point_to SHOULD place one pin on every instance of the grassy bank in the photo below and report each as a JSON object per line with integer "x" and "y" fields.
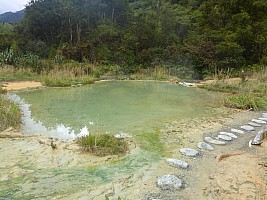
{"x": 244, "y": 93}
{"x": 10, "y": 115}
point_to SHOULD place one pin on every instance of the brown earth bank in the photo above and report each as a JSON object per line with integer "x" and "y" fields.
{"x": 21, "y": 85}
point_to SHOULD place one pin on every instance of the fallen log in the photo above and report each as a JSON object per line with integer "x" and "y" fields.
{"x": 259, "y": 137}
{"x": 219, "y": 157}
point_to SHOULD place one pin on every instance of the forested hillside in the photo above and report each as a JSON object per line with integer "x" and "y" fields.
{"x": 10, "y": 17}
{"x": 194, "y": 35}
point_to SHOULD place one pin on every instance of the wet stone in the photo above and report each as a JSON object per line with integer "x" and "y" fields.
{"x": 225, "y": 137}
{"x": 263, "y": 118}
{"x": 254, "y": 124}
{"x": 228, "y": 134}
{"x": 247, "y": 128}
{"x": 213, "y": 141}
{"x": 168, "y": 182}
{"x": 121, "y": 136}
{"x": 259, "y": 121}
{"x": 189, "y": 152}
{"x": 237, "y": 131}
{"x": 177, "y": 163}
{"x": 204, "y": 145}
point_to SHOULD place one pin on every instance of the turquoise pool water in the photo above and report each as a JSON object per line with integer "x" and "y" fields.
{"x": 118, "y": 106}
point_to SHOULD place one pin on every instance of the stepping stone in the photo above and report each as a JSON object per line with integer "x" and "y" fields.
{"x": 247, "y": 128}
{"x": 169, "y": 181}
{"x": 264, "y": 114}
{"x": 228, "y": 134}
{"x": 237, "y": 131}
{"x": 121, "y": 136}
{"x": 254, "y": 124}
{"x": 225, "y": 137}
{"x": 213, "y": 141}
{"x": 259, "y": 121}
{"x": 177, "y": 163}
{"x": 189, "y": 152}
{"x": 264, "y": 119}
{"x": 204, "y": 145}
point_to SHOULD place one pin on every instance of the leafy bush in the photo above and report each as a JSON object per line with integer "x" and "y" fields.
{"x": 10, "y": 115}
{"x": 103, "y": 144}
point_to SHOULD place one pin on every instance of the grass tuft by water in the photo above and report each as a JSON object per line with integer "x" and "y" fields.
{"x": 103, "y": 144}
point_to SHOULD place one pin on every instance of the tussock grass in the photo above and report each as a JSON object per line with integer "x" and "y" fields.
{"x": 67, "y": 76}
{"x": 10, "y": 73}
{"x": 10, "y": 115}
{"x": 157, "y": 73}
{"x": 249, "y": 93}
{"x": 103, "y": 145}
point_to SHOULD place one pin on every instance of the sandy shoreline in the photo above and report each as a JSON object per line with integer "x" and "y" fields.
{"x": 238, "y": 177}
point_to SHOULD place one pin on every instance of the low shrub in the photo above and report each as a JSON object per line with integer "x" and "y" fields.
{"x": 103, "y": 144}
{"x": 10, "y": 115}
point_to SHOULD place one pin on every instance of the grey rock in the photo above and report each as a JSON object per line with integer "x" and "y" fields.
{"x": 225, "y": 137}
{"x": 264, "y": 114}
{"x": 169, "y": 182}
{"x": 121, "y": 136}
{"x": 247, "y": 128}
{"x": 263, "y": 118}
{"x": 254, "y": 124}
{"x": 189, "y": 152}
{"x": 204, "y": 145}
{"x": 259, "y": 121}
{"x": 177, "y": 163}
{"x": 228, "y": 134}
{"x": 213, "y": 141}
{"x": 237, "y": 131}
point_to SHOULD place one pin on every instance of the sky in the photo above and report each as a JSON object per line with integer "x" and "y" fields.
{"x": 12, "y": 5}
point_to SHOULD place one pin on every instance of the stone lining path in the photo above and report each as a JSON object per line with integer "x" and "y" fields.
{"x": 170, "y": 181}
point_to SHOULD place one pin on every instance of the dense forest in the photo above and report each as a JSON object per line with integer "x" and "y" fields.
{"x": 196, "y": 36}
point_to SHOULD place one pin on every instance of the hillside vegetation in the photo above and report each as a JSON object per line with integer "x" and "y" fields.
{"x": 190, "y": 38}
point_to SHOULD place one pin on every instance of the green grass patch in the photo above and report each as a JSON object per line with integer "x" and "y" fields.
{"x": 150, "y": 141}
{"x": 103, "y": 144}
{"x": 9, "y": 73}
{"x": 64, "y": 77}
{"x": 10, "y": 115}
{"x": 246, "y": 101}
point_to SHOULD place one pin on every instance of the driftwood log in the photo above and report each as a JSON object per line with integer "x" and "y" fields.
{"x": 259, "y": 137}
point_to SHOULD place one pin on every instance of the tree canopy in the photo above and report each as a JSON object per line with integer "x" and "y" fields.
{"x": 203, "y": 34}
